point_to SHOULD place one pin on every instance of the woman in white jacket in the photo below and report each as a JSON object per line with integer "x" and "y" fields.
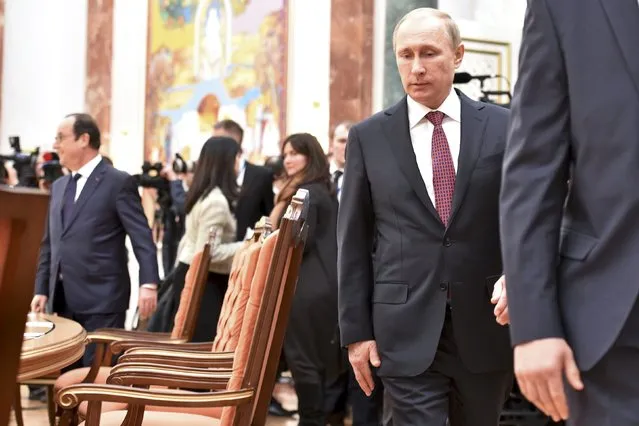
{"x": 209, "y": 205}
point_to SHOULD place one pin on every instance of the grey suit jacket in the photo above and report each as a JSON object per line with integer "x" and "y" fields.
{"x": 571, "y": 251}
{"x": 89, "y": 251}
{"x": 397, "y": 261}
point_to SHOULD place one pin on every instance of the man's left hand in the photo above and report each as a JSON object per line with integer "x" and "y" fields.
{"x": 147, "y": 302}
{"x": 500, "y": 300}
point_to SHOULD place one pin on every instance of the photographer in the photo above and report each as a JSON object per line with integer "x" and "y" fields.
{"x": 174, "y": 217}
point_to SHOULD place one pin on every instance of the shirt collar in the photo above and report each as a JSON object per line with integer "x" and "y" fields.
{"x": 88, "y": 168}
{"x": 417, "y": 112}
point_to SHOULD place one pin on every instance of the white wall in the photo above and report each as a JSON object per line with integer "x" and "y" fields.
{"x": 44, "y": 68}
{"x": 128, "y": 84}
{"x": 309, "y": 41}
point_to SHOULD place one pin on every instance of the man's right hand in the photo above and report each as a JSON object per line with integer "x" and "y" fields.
{"x": 540, "y": 366}
{"x": 361, "y": 355}
{"x": 39, "y": 303}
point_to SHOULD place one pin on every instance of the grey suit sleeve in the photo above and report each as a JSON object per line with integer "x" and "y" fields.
{"x": 355, "y": 227}
{"x": 44, "y": 261}
{"x": 535, "y": 172}
{"x": 129, "y": 207}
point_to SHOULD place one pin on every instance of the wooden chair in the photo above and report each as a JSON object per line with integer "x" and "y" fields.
{"x": 183, "y": 328}
{"x": 246, "y": 395}
{"x": 241, "y": 275}
{"x": 23, "y": 214}
{"x": 245, "y": 264}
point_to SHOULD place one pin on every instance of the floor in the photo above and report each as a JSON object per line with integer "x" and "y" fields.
{"x": 35, "y": 413}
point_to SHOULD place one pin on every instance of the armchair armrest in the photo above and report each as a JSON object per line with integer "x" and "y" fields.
{"x": 142, "y": 375}
{"x": 197, "y": 359}
{"x": 104, "y": 337}
{"x": 70, "y": 397}
{"x": 125, "y": 345}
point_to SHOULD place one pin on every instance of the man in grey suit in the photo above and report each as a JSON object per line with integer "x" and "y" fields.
{"x": 570, "y": 211}
{"x": 418, "y": 240}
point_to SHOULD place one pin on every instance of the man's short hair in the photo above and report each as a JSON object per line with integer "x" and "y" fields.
{"x": 451, "y": 26}
{"x": 231, "y": 127}
{"x": 346, "y": 124}
{"x": 84, "y": 123}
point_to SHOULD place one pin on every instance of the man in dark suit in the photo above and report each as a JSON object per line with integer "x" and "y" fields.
{"x": 82, "y": 272}
{"x": 256, "y": 183}
{"x": 569, "y": 206}
{"x": 419, "y": 248}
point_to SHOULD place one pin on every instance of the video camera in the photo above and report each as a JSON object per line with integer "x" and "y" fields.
{"x": 51, "y": 167}
{"x": 24, "y": 164}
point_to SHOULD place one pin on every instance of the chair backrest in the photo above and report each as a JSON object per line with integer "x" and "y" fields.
{"x": 266, "y": 316}
{"x": 237, "y": 293}
{"x": 191, "y": 297}
{"x": 23, "y": 214}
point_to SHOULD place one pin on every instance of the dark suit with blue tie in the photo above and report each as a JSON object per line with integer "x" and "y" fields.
{"x": 83, "y": 260}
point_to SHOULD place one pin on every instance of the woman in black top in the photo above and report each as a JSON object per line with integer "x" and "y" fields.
{"x": 311, "y": 346}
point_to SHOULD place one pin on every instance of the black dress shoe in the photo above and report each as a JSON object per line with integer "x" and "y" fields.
{"x": 275, "y": 409}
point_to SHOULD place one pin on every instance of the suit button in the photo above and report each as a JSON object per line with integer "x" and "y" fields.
{"x": 443, "y": 286}
{"x": 447, "y": 242}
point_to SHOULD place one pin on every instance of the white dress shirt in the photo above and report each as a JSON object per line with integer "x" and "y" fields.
{"x": 240, "y": 175}
{"x": 421, "y": 134}
{"x": 85, "y": 171}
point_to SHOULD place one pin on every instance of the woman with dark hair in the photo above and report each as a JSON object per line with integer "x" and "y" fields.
{"x": 311, "y": 346}
{"x": 209, "y": 205}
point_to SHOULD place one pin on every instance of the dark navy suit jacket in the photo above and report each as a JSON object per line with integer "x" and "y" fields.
{"x": 90, "y": 250}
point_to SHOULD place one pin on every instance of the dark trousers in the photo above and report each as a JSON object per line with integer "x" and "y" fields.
{"x": 611, "y": 388}
{"x": 90, "y": 322}
{"x": 344, "y": 390}
{"x": 447, "y": 391}
{"x": 210, "y": 305}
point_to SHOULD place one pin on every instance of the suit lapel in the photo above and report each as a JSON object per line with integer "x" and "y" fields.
{"x": 473, "y": 123}
{"x": 624, "y": 20}
{"x": 397, "y": 132}
{"x": 59, "y": 197}
{"x": 90, "y": 186}
{"x": 248, "y": 177}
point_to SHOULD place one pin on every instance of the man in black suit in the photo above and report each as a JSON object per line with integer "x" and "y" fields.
{"x": 82, "y": 271}
{"x": 569, "y": 205}
{"x": 418, "y": 238}
{"x": 256, "y": 183}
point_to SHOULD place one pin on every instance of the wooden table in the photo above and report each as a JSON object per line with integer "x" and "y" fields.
{"x": 50, "y": 343}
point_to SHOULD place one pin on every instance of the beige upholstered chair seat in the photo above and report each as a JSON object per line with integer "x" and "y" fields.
{"x": 76, "y": 376}
{"x": 151, "y": 418}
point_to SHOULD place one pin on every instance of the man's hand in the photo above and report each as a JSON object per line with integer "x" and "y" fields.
{"x": 39, "y": 303}
{"x": 168, "y": 172}
{"x": 539, "y": 367}
{"x": 500, "y": 300}
{"x": 361, "y": 355}
{"x": 147, "y": 302}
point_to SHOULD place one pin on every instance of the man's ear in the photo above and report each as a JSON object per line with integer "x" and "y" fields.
{"x": 459, "y": 55}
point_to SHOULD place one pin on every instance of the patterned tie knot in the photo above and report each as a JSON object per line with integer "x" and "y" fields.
{"x": 435, "y": 117}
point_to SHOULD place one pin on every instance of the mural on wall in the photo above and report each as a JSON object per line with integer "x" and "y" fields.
{"x": 211, "y": 60}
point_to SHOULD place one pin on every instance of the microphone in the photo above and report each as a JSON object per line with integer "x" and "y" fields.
{"x": 464, "y": 77}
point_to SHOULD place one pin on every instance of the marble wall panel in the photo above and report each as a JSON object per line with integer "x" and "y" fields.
{"x": 351, "y": 79}
{"x": 99, "y": 60}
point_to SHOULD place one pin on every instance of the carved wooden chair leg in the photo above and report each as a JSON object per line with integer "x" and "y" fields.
{"x": 17, "y": 405}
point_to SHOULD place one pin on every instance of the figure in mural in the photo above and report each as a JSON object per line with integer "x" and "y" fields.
{"x": 225, "y": 61}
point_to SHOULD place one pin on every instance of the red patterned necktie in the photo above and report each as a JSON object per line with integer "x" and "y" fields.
{"x": 443, "y": 168}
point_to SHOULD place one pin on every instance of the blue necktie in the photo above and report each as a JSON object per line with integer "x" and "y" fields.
{"x": 69, "y": 198}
